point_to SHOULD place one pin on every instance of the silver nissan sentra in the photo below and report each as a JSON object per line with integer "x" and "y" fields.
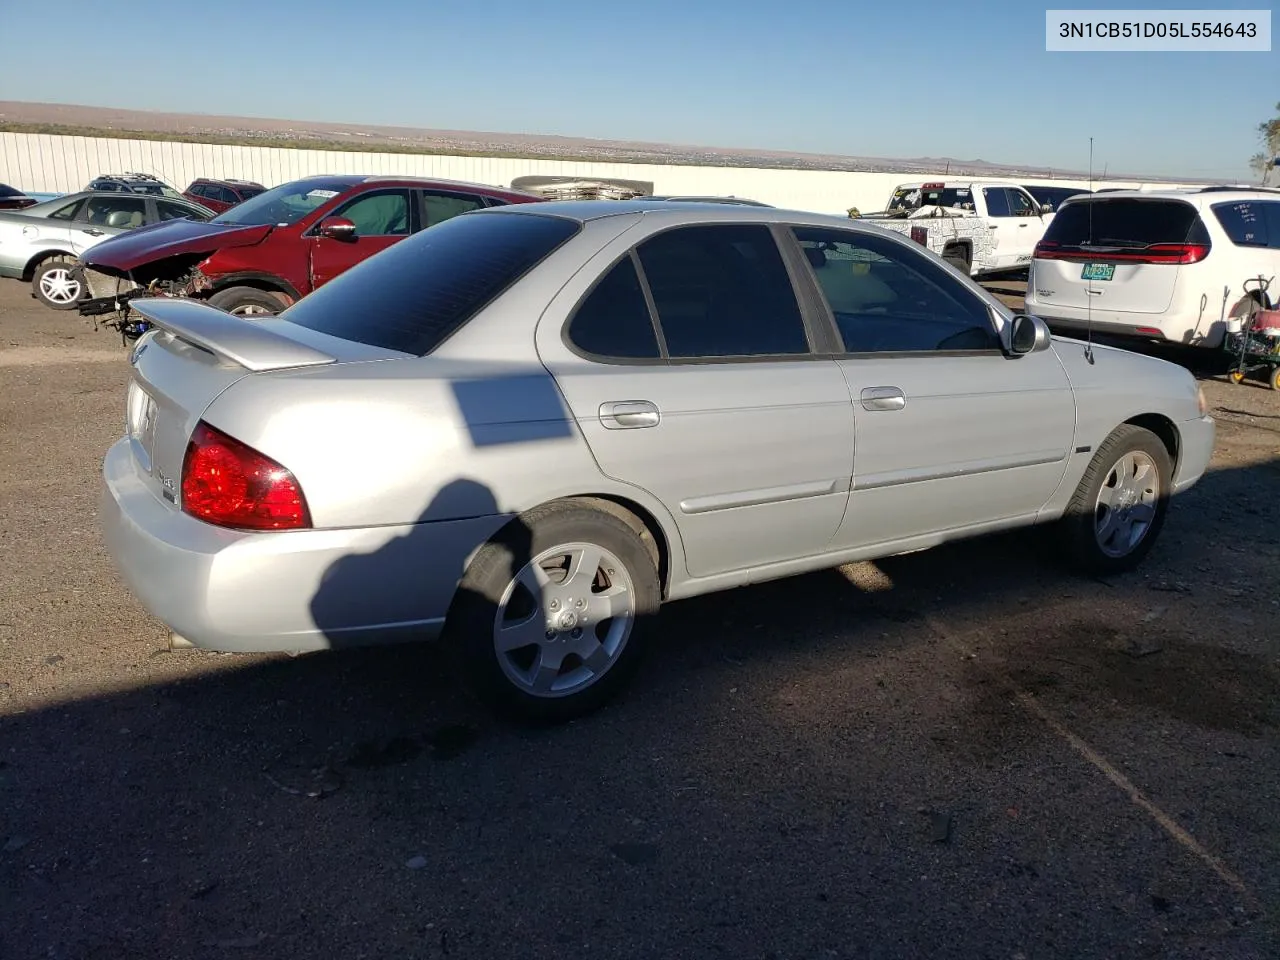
{"x": 526, "y": 428}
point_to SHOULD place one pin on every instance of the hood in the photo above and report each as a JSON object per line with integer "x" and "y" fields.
{"x": 128, "y": 251}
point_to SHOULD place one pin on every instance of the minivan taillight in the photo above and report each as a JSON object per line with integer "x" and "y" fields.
{"x": 227, "y": 483}
{"x": 1156, "y": 253}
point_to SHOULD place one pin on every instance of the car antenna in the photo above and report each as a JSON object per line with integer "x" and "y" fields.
{"x": 1088, "y": 300}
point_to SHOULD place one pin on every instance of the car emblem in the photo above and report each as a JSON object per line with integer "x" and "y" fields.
{"x": 137, "y": 352}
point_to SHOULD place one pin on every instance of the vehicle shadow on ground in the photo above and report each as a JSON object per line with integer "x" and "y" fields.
{"x": 360, "y": 799}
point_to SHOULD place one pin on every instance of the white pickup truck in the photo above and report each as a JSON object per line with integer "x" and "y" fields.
{"x": 978, "y": 226}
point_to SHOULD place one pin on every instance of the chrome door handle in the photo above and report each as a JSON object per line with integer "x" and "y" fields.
{"x": 93, "y": 233}
{"x": 629, "y": 414}
{"x": 883, "y": 398}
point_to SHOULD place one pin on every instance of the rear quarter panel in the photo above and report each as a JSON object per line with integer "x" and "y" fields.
{"x": 403, "y": 441}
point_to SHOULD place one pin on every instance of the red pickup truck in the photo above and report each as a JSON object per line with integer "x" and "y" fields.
{"x": 273, "y": 249}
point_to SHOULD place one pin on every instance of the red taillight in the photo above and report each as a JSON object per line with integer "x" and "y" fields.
{"x": 1156, "y": 253}
{"x": 232, "y": 485}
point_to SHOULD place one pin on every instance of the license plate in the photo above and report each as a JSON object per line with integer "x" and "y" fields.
{"x": 1098, "y": 271}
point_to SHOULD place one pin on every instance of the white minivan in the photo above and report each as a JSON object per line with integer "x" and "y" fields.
{"x": 1167, "y": 265}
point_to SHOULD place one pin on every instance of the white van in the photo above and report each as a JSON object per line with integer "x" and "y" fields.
{"x": 1165, "y": 265}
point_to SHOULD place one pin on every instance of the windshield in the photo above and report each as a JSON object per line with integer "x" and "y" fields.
{"x": 284, "y": 205}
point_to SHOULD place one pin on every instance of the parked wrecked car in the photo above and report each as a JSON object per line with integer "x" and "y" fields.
{"x": 576, "y": 412}
{"x": 273, "y": 249}
{"x": 40, "y": 244}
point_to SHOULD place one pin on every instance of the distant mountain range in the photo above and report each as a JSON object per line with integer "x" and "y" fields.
{"x": 145, "y": 124}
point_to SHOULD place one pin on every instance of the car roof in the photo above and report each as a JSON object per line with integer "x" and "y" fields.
{"x": 1188, "y": 194}
{"x": 677, "y": 212}
{"x": 447, "y": 184}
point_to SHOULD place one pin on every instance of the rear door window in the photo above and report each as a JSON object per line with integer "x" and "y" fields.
{"x": 439, "y": 207}
{"x": 1246, "y": 222}
{"x": 1127, "y": 223}
{"x": 456, "y": 269}
{"x": 722, "y": 291}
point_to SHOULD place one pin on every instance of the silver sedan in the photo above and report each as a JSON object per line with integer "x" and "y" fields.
{"x": 40, "y": 244}
{"x": 576, "y": 412}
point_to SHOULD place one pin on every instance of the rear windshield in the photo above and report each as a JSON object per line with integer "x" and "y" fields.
{"x": 912, "y": 198}
{"x": 413, "y": 295}
{"x": 8, "y": 191}
{"x": 1128, "y": 223}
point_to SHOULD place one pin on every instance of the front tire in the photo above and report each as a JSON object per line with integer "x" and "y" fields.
{"x": 248, "y": 302}
{"x": 54, "y": 285}
{"x": 548, "y": 621}
{"x": 1117, "y": 511}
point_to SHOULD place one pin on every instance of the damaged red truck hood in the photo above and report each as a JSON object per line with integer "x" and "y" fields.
{"x": 127, "y": 252}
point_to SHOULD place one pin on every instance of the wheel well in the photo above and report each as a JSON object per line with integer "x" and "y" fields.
{"x": 279, "y": 288}
{"x": 29, "y": 270}
{"x": 965, "y": 245}
{"x": 1163, "y": 428}
{"x": 643, "y": 523}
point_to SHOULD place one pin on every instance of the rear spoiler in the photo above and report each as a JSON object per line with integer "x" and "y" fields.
{"x": 246, "y": 342}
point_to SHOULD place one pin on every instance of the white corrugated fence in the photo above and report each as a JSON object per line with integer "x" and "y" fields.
{"x": 60, "y": 164}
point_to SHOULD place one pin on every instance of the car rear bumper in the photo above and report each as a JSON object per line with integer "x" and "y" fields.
{"x": 287, "y": 591}
{"x": 1142, "y": 326}
{"x": 1195, "y": 448}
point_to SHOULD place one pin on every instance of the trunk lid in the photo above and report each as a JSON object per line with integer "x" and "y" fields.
{"x": 173, "y": 238}
{"x": 195, "y": 353}
{"x": 1118, "y": 255}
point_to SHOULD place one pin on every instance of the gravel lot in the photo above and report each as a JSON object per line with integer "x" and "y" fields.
{"x": 963, "y": 753}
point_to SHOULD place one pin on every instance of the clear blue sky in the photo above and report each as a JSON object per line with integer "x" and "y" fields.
{"x": 889, "y": 79}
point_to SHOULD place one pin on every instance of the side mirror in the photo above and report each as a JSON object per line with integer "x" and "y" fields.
{"x": 1046, "y": 208}
{"x": 337, "y": 228}
{"x": 1028, "y": 334}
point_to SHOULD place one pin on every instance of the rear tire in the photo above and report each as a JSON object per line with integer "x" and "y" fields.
{"x": 53, "y": 284}
{"x": 247, "y": 302}
{"x": 1118, "y": 508}
{"x": 549, "y": 620}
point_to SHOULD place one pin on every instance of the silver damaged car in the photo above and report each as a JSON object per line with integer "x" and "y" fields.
{"x": 525, "y": 429}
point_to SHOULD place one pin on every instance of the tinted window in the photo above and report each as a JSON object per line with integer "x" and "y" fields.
{"x": 614, "y": 320}
{"x": 122, "y": 211}
{"x": 197, "y": 190}
{"x": 722, "y": 291}
{"x": 1125, "y": 223}
{"x": 1246, "y": 222}
{"x": 8, "y": 191}
{"x": 997, "y": 202}
{"x": 381, "y": 214}
{"x": 456, "y": 269}
{"x": 887, "y": 298}
{"x": 439, "y": 207}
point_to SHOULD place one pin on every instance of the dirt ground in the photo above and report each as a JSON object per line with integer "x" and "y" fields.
{"x": 962, "y": 753}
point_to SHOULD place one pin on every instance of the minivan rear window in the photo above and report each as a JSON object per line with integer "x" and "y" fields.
{"x": 1125, "y": 223}
{"x": 413, "y": 295}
